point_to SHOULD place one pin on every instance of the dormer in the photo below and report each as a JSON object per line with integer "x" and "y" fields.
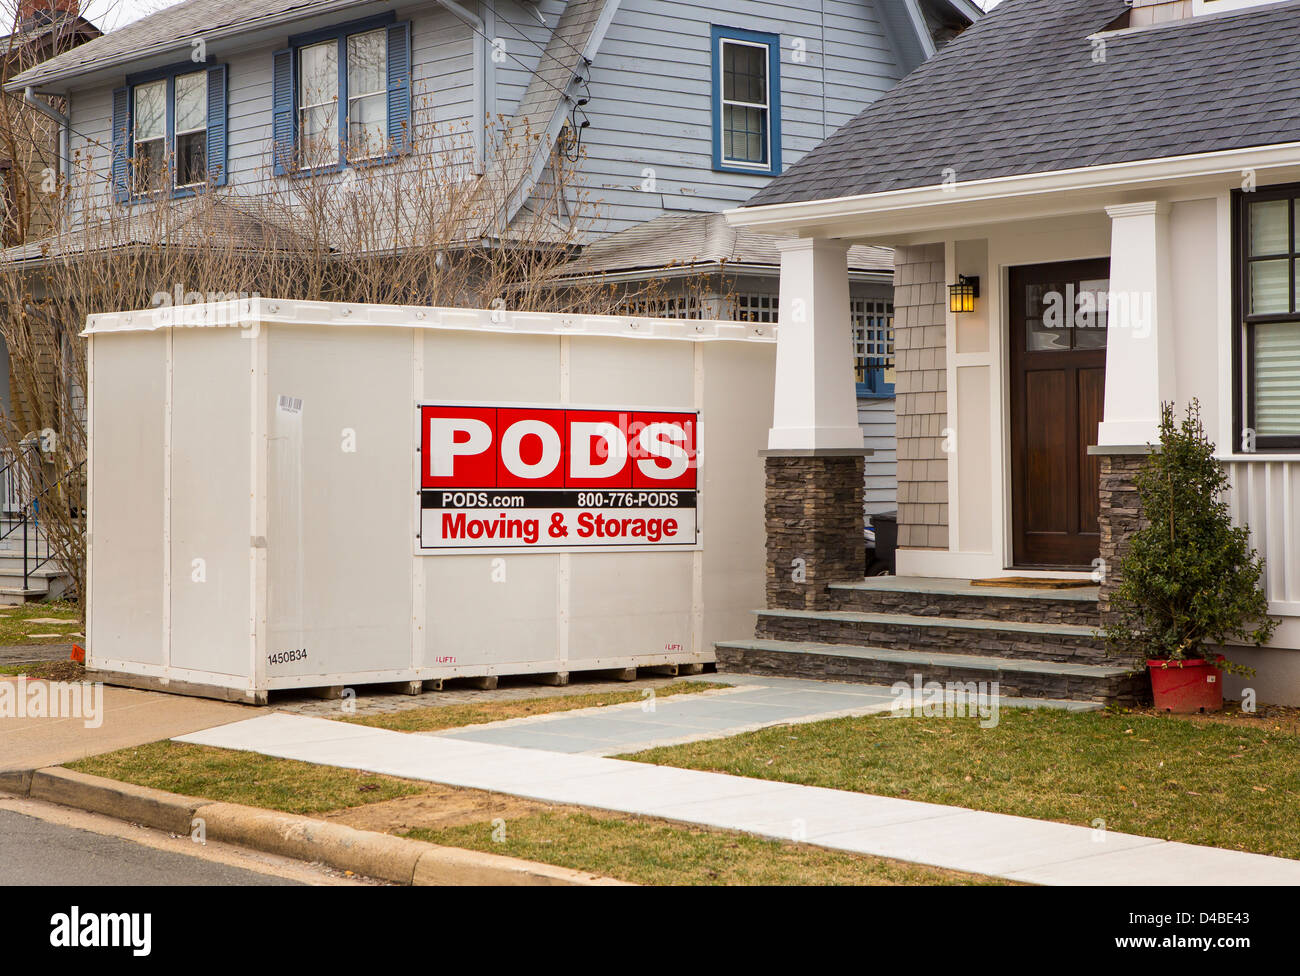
{"x": 1145, "y": 13}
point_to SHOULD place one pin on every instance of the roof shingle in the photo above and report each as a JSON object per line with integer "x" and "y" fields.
{"x": 1021, "y": 92}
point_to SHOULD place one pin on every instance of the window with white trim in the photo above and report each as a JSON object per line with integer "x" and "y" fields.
{"x": 367, "y": 62}
{"x": 318, "y": 103}
{"x": 746, "y": 93}
{"x": 191, "y": 122}
{"x": 149, "y": 113}
{"x": 1268, "y": 255}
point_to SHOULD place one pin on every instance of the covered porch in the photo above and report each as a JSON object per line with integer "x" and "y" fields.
{"x": 1022, "y": 419}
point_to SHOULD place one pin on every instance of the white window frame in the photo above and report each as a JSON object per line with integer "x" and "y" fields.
{"x": 766, "y": 106}
{"x": 176, "y": 135}
{"x": 382, "y": 91}
{"x": 136, "y": 142}
{"x": 303, "y": 106}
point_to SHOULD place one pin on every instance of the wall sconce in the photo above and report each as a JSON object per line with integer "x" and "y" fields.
{"x": 961, "y": 296}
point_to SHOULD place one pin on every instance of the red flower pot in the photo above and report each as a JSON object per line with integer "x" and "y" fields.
{"x": 1186, "y": 687}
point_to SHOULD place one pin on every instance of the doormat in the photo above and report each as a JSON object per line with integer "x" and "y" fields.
{"x": 1034, "y": 582}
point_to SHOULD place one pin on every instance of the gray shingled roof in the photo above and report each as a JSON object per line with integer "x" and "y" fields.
{"x": 703, "y": 242}
{"x": 1019, "y": 93}
{"x": 171, "y": 29}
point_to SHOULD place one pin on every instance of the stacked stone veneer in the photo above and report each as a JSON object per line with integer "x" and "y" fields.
{"x": 1120, "y": 516}
{"x": 920, "y": 387}
{"x": 814, "y": 526}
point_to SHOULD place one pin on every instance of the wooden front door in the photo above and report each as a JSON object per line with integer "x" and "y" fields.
{"x": 1058, "y": 373}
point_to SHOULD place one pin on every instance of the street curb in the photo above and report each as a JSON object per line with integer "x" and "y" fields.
{"x": 364, "y": 852}
{"x": 123, "y": 801}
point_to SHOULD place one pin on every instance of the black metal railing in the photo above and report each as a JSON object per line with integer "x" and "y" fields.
{"x": 22, "y": 505}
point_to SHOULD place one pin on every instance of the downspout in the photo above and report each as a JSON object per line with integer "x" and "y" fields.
{"x": 482, "y": 66}
{"x": 65, "y": 127}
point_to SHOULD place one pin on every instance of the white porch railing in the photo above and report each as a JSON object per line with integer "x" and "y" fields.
{"x": 1266, "y": 496}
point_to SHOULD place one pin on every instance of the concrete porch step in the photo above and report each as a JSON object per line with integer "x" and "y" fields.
{"x": 943, "y": 597}
{"x": 1016, "y": 677}
{"x": 957, "y": 635}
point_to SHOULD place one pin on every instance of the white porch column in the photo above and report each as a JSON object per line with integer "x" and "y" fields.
{"x": 815, "y": 406}
{"x": 1139, "y": 340}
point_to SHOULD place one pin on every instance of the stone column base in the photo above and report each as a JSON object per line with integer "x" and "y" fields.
{"x": 1120, "y": 514}
{"x": 814, "y": 524}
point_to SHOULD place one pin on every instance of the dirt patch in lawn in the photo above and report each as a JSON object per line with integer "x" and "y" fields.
{"x": 1266, "y": 718}
{"x": 438, "y": 808}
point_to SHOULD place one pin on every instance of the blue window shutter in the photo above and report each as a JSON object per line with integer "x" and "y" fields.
{"x": 399, "y": 87}
{"x": 121, "y": 143}
{"x": 284, "y": 127}
{"x": 217, "y": 131}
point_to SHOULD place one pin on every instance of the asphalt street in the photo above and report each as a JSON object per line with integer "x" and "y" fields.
{"x": 37, "y": 852}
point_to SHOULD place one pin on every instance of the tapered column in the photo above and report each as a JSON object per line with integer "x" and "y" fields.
{"x": 815, "y": 406}
{"x": 1139, "y": 335}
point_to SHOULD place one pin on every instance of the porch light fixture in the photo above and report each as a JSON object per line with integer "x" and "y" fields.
{"x": 961, "y": 296}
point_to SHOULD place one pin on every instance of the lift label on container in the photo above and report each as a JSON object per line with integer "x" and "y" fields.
{"x": 557, "y": 478}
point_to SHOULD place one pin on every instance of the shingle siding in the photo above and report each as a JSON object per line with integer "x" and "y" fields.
{"x": 921, "y": 396}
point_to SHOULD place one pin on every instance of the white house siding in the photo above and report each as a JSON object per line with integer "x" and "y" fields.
{"x": 442, "y": 101}
{"x": 650, "y": 91}
{"x": 651, "y": 97}
{"x": 876, "y": 418}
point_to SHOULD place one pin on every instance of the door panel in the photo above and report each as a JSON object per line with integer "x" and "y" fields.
{"x": 1058, "y": 368}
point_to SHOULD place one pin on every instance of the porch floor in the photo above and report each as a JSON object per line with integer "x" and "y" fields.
{"x": 941, "y": 585}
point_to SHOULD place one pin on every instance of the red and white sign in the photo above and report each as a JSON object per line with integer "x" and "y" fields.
{"x": 553, "y": 477}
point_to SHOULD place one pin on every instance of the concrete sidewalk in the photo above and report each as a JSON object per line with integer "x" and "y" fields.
{"x": 754, "y": 702}
{"x": 130, "y": 718}
{"x": 1016, "y": 848}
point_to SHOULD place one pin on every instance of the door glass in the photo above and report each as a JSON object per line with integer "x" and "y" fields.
{"x": 1066, "y": 314}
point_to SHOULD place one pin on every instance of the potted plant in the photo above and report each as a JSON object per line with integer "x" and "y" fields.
{"x": 1190, "y": 580}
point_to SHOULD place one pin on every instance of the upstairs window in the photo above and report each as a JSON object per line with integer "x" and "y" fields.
{"x": 149, "y": 163}
{"x": 1268, "y": 342}
{"x": 169, "y": 132}
{"x": 342, "y": 96}
{"x": 192, "y": 129}
{"x": 318, "y": 103}
{"x": 746, "y": 101}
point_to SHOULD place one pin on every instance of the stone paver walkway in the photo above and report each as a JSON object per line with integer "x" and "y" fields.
{"x": 1016, "y": 848}
{"x": 754, "y": 702}
{"x": 371, "y": 700}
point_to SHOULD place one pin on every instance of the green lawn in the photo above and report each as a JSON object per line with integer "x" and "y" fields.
{"x": 630, "y": 849}
{"x": 1213, "y": 783}
{"x": 476, "y": 713}
{"x": 660, "y": 853}
{"x": 16, "y": 626}
{"x": 245, "y": 777}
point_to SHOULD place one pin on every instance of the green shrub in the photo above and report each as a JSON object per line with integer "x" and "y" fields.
{"x": 1190, "y": 578}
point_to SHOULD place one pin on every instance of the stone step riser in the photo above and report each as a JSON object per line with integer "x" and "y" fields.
{"x": 1044, "y": 611}
{"x": 988, "y": 643}
{"x": 1119, "y": 689}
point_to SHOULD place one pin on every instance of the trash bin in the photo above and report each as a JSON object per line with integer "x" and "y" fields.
{"x": 885, "y": 526}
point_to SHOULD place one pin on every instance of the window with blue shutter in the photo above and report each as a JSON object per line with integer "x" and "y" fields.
{"x": 342, "y": 96}
{"x": 170, "y": 131}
